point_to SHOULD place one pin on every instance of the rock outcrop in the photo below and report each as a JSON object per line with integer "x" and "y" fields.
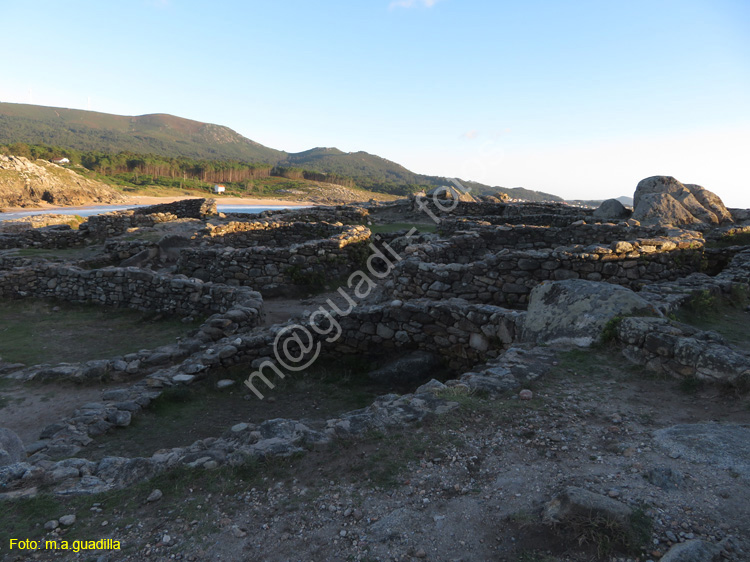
{"x": 693, "y": 551}
{"x": 577, "y": 506}
{"x": 11, "y": 447}
{"x": 578, "y": 311}
{"x": 611, "y": 209}
{"x": 24, "y": 183}
{"x": 664, "y": 200}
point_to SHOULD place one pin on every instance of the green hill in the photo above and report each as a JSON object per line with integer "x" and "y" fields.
{"x": 353, "y": 164}
{"x": 174, "y": 137}
{"x": 165, "y": 135}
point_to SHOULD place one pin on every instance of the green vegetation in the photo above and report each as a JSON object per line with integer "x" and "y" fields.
{"x": 31, "y": 332}
{"x": 608, "y": 535}
{"x": 609, "y": 333}
{"x": 727, "y": 316}
{"x": 161, "y": 134}
{"x": 396, "y": 226}
{"x": 183, "y": 415}
{"x": 63, "y": 255}
{"x": 172, "y": 152}
{"x": 732, "y": 238}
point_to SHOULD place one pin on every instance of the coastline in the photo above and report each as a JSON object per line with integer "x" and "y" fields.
{"x": 152, "y": 200}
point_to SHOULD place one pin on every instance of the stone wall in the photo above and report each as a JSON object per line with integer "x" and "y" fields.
{"x": 9, "y": 262}
{"x": 50, "y": 237}
{"x": 185, "y": 209}
{"x": 517, "y": 213}
{"x": 507, "y": 277}
{"x": 129, "y": 287}
{"x": 346, "y": 214}
{"x": 119, "y": 250}
{"x": 246, "y": 234}
{"x": 117, "y": 222}
{"x": 682, "y": 351}
{"x": 495, "y": 237}
{"x": 280, "y": 270}
{"x": 463, "y": 334}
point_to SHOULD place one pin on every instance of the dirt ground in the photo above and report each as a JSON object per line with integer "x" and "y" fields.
{"x": 27, "y": 409}
{"x": 469, "y": 485}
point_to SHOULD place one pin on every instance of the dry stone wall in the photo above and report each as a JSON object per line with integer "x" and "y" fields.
{"x": 117, "y": 222}
{"x": 682, "y": 351}
{"x": 543, "y": 214}
{"x": 246, "y": 234}
{"x": 463, "y": 334}
{"x": 284, "y": 269}
{"x": 129, "y": 287}
{"x": 495, "y": 237}
{"x": 340, "y": 213}
{"x": 51, "y": 237}
{"x": 507, "y": 277}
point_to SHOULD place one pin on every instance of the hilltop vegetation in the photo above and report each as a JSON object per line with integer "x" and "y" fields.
{"x": 159, "y": 134}
{"x": 173, "y": 149}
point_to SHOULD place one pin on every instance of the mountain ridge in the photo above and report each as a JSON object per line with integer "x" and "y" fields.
{"x": 171, "y": 136}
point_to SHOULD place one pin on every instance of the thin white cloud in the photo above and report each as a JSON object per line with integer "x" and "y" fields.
{"x": 412, "y": 3}
{"x": 470, "y": 135}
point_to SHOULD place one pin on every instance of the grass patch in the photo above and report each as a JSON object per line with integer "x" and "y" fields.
{"x": 183, "y": 415}
{"x": 726, "y": 316}
{"x": 65, "y": 255}
{"x": 731, "y": 239}
{"x": 609, "y": 333}
{"x": 582, "y": 362}
{"x": 396, "y": 226}
{"x": 31, "y": 332}
{"x": 609, "y": 536}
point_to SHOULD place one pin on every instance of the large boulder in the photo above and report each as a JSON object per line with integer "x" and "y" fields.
{"x": 664, "y": 200}
{"x": 723, "y": 445}
{"x": 693, "y": 551}
{"x": 577, "y": 311}
{"x": 576, "y": 506}
{"x": 710, "y": 201}
{"x": 612, "y": 209}
{"x": 11, "y": 447}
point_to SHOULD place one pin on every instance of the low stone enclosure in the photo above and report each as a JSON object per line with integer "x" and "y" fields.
{"x": 132, "y": 288}
{"x": 502, "y": 264}
{"x": 273, "y": 257}
{"x": 483, "y": 342}
{"x": 442, "y": 297}
{"x": 110, "y": 224}
{"x": 99, "y": 227}
{"x": 543, "y": 214}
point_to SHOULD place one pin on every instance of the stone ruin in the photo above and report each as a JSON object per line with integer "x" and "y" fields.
{"x": 494, "y": 280}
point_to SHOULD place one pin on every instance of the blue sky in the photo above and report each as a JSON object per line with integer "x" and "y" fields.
{"x": 582, "y": 99}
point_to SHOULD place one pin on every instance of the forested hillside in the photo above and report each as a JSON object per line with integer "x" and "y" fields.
{"x": 159, "y": 146}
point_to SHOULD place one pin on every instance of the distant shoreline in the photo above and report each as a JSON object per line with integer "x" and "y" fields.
{"x": 151, "y": 200}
